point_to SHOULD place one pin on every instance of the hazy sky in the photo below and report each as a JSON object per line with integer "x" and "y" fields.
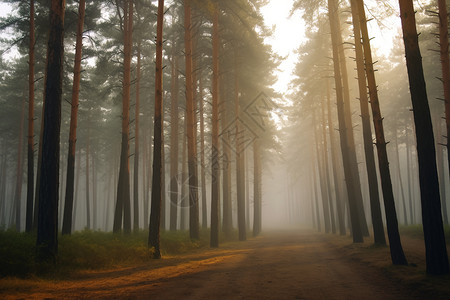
{"x": 287, "y": 37}
{"x": 289, "y": 34}
{"x": 4, "y": 9}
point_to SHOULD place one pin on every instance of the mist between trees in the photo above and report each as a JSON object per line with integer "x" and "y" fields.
{"x": 162, "y": 116}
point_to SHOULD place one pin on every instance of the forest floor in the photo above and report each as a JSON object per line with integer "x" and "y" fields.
{"x": 277, "y": 265}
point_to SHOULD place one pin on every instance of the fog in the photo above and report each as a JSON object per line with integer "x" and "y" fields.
{"x": 266, "y": 126}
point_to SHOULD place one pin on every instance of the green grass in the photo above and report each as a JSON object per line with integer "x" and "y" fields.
{"x": 416, "y": 231}
{"x": 16, "y": 253}
{"x": 90, "y": 250}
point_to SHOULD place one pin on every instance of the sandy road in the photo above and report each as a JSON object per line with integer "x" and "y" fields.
{"x": 278, "y": 265}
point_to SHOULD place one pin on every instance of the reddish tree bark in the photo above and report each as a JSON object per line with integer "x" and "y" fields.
{"x": 190, "y": 131}
{"x": 68, "y": 203}
{"x": 174, "y": 115}
{"x": 122, "y": 210}
{"x": 136, "y": 143}
{"x": 214, "y": 241}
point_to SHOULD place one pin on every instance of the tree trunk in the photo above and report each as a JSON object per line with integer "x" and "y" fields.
{"x": 226, "y": 180}
{"x": 215, "y": 167}
{"x": 445, "y": 64}
{"x": 157, "y": 188}
{"x": 410, "y": 177}
{"x": 436, "y": 251}
{"x": 39, "y": 167}
{"x": 316, "y": 196}
{"x": 149, "y": 167}
{"x": 174, "y": 115}
{"x": 246, "y": 192}
{"x": 326, "y": 168}
{"x": 123, "y": 187}
{"x": 30, "y": 161}
{"x": 77, "y": 184}
{"x": 400, "y": 181}
{"x": 202, "y": 155}
{"x": 47, "y": 233}
{"x": 311, "y": 197}
{"x": 19, "y": 173}
{"x": 240, "y": 176}
{"x": 441, "y": 174}
{"x": 191, "y": 136}
{"x": 136, "y": 143}
{"x": 62, "y": 171}
{"x": 395, "y": 245}
{"x": 375, "y": 209}
{"x": 322, "y": 182}
{"x": 88, "y": 200}
{"x": 194, "y": 55}
{"x": 257, "y": 203}
{"x": 184, "y": 205}
{"x": 163, "y": 178}
{"x": 4, "y": 167}
{"x": 68, "y": 203}
{"x": 350, "y": 180}
{"x": 334, "y": 163}
{"x": 349, "y": 128}
{"x": 94, "y": 194}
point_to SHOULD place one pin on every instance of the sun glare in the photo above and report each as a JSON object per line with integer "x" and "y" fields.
{"x": 287, "y": 36}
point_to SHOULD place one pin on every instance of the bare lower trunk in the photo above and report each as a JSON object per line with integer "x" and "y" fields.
{"x": 47, "y": 233}
{"x": 316, "y": 197}
{"x": 123, "y": 187}
{"x": 76, "y": 189}
{"x": 157, "y": 188}
{"x": 322, "y": 181}
{"x": 326, "y": 167}
{"x": 334, "y": 163}
{"x": 349, "y": 128}
{"x": 202, "y": 156}
{"x": 190, "y": 119}
{"x": 410, "y": 177}
{"x": 38, "y": 171}
{"x": 375, "y": 209}
{"x": 445, "y": 64}
{"x": 436, "y": 251}
{"x": 136, "y": 144}
{"x": 226, "y": 166}
{"x": 174, "y": 115}
{"x": 257, "y": 203}
{"x": 441, "y": 174}
{"x": 215, "y": 167}
{"x": 397, "y": 255}
{"x": 30, "y": 173}
{"x": 240, "y": 176}
{"x": 184, "y": 202}
{"x": 400, "y": 181}
{"x": 350, "y": 180}
{"x": 88, "y": 202}
{"x": 19, "y": 173}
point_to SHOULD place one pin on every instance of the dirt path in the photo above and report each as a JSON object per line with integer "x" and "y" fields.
{"x": 278, "y": 265}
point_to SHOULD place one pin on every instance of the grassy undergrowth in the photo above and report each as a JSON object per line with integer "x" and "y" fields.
{"x": 413, "y": 275}
{"x": 89, "y": 250}
{"x": 416, "y": 231}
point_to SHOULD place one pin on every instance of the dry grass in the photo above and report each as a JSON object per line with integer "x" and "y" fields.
{"x": 413, "y": 275}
